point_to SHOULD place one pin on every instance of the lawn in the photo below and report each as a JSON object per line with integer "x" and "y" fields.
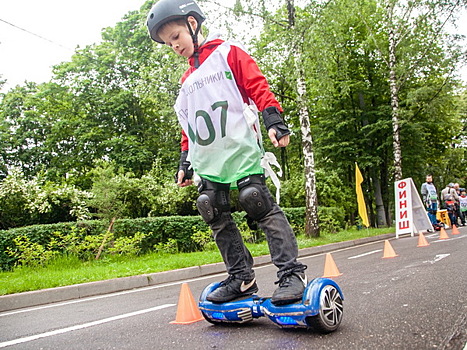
{"x": 68, "y": 270}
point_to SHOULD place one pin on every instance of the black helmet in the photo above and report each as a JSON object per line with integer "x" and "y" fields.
{"x": 167, "y": 10}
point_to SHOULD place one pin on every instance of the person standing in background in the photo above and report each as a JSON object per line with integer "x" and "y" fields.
{"x": 430, "y": 198}
{"x": 463, "y": 205}
{"x": 449, "y": 198}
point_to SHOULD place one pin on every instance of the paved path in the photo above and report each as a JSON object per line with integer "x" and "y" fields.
{"x": 416, "y": 300}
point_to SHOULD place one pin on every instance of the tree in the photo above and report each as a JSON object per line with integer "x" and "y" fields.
{"x": 406, "y": 24}
{"x": 327, "y": 63}
{"x": 354, "y": 116}
{"x": 281, "y": 27}
{"x": 102, "y": 105}
{"x": 311, "y": 212}
{"x": 24, "y": 129}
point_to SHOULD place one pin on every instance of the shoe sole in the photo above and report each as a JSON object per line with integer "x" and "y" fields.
{"x": 239, "y": 297}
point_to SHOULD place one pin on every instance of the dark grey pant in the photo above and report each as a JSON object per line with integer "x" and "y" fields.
{"x": 237, "y": 258}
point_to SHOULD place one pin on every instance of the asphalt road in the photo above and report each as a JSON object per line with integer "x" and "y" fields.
{"x": 417, "y": 300}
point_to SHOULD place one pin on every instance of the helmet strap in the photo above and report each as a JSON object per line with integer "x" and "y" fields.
{"x": 194, "y": 37}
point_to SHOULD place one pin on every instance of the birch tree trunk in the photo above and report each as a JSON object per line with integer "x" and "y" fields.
{"x": 311, "y": 217}
{"x": 311, "y": 213}
{"x": 396, "y": 142}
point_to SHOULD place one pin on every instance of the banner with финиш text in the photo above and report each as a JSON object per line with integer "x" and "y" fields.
{"x": 411, "y": 215}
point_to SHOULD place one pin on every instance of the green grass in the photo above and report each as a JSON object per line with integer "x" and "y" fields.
{"x": 68, "y": 270}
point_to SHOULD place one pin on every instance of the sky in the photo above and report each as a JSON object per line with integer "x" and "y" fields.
{"x": 62, "y": 25}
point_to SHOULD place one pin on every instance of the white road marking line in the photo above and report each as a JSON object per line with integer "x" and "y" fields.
{"x": 81, "y": 326}
{"x": 437, "y": 258}
{"x": 449, "y": 239}
{"x": 365, "y": 254}
{"x": 429, "y": 235}
{"x": 109, "y": 295}
{"x": 143, "y": 289}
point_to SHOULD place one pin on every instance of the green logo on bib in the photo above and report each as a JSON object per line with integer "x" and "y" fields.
{"x": 228, "y": 75}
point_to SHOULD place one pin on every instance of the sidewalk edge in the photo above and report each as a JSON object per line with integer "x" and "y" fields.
{"x": 59, "y": 294}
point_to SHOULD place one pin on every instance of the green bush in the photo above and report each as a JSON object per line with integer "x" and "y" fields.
{"x": 136, "y": 236}
{"x": 78, "y": 243}
{"x": 331, "y": 219}
{"x": 128, "y": 245}
{"x": 27, "y": 253}
{"x": 169, "y": 247}
{"x": 203, "y": 239}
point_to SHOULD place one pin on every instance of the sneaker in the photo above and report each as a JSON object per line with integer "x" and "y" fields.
{"x": 232, "y": 288}
{"x": 290, "y": 290}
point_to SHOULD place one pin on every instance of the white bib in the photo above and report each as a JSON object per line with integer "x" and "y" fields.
{"x": 431, "y": 191}
{"x": 463, "y": 203}
{"x": 222, "y": 146}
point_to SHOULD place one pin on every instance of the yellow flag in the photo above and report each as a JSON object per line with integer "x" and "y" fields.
{"x": 360, "y": 199}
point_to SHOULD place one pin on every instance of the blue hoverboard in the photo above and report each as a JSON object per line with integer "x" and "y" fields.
{"x": 321, "y": 308}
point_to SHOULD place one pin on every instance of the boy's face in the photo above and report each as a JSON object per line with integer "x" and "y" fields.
{"x": 178, "y": 38}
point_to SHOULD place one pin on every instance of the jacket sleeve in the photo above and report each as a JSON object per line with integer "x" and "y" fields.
{"x": 424, "y": 192}
{"x": 184, "y": 142}
{"x": 250, "y": 81}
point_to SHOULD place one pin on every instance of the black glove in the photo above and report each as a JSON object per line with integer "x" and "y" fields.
{"x": 185, "y": 166}
{"x": 272, "y": 119}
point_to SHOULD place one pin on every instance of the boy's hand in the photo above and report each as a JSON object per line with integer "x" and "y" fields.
{"x": 277, "y": 130}
{"x": 181, "y": 182}
{"x": 282, "y": 142}
{"x": 185, "y": 172}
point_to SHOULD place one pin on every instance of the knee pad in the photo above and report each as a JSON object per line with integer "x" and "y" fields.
{"x": 255, "y": 199}
{"x": 213, "y": 201}
{"x": 205, "y": 208}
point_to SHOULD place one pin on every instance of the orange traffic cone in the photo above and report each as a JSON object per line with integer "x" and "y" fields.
{"x": 422, "y": 242}
{"x": 187, "y": 310}
{"x": 388, "y": 250}
{"x": 455, "y": 230}
{"x": 443, "y": 234}
{"x": 330, "y": 267}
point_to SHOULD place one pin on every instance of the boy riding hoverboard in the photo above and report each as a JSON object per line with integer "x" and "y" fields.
{"x": 221, "y": 145}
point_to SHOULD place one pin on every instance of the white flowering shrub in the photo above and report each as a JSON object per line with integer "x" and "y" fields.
{"x": 25, "y": 202}
{"x": 76, "y": 198}
{"x": 28, "y": 194}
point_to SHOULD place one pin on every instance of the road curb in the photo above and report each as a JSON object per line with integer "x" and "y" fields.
{"x": 53, "y": 295}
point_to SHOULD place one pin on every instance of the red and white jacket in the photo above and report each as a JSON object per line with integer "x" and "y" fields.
{"x": 251, "y": 83}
